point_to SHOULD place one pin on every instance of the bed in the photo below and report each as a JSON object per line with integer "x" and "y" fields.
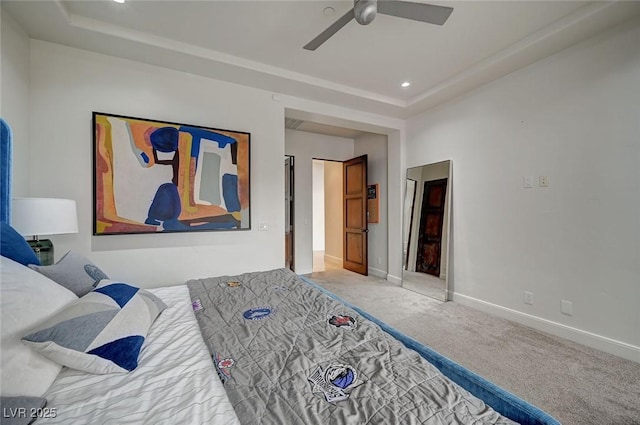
{"x": 174, "y": 382}
{"x": 265, "y": 347}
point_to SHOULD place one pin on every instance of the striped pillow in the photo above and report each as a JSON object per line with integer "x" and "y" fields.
{"x": 102, "y": 332}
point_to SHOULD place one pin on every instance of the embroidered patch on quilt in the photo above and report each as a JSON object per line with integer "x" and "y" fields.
{"x": 197, "y": 305}
{"x": 279, "y": 288}
{"x": 342, "y": 321}
{"x": 258, "y": 313}
{"x": 222, "y": 367}
{"x": 336, "y": 381}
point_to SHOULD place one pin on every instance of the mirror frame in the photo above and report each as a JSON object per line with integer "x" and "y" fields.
{"x": 446, "y": 222}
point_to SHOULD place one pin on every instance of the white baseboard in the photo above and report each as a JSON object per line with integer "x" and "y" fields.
{"x": 303, "y": 271}
{"x": 394, "y": 279}
{"x": 599, "y": 342}
{"x": 331, "y": 259}
{"x": 377, "y": 273}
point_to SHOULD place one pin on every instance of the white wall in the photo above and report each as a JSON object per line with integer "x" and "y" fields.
{"x": 396, "y": 170}
{"x": 318, "y": 216}
{"x": 68, "y": 84}
{"x": 333, "y": 211}
{"x": 304, "y": 147}
{"x": 573, "y": 117}
{"x": 14, "y": 104}
{"x": 375, "y": 147}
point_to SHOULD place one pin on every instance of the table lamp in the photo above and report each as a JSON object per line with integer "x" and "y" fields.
{"x": 44, "y": 216}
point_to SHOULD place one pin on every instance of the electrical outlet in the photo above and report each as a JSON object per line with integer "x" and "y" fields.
{"x": 379, "y": 260}
{"x": 566, "y": 307}
{"x": 543, "y": 181}
{"x": 528, "y": 297}
{"x": 263, "y": 226}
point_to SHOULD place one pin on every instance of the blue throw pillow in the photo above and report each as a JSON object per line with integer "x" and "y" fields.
{"x": 14, "y": 247}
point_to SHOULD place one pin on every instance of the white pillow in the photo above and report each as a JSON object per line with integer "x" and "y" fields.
{"x": 26, "y": 299}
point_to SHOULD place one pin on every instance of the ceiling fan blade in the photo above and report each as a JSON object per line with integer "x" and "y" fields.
{"x": 429, "y": 13}
{"x": 334, "y": 28}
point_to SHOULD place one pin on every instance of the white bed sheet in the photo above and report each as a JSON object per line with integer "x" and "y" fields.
{"x": 174, "y": 383}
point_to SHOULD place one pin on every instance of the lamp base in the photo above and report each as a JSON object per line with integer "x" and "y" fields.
{"x": 43, "y": 249}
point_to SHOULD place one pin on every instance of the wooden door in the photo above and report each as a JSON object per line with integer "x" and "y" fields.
{"x": 355, "y": 215}
{"x": 288, "y": 209}
{"x": 430, "y": 230}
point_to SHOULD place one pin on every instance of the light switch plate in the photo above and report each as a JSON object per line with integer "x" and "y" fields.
{"x": 566, "y": 308}
{"x": 528, "y": 297}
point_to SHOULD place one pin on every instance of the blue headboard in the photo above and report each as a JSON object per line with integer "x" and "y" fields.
{"x": 5, "y": 171}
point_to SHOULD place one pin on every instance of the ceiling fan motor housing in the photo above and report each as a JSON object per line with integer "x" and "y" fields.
{"x": 365, "y": 11}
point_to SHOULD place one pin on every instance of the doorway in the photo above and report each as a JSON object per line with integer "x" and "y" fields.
{"x": 327, "y": 213}
{"x": 308, "y": 140}
{"x": 289, "y": 257}
{"x": 339, "y": 212}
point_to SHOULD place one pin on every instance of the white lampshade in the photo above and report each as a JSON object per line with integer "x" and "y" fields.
{"x": 44, "y": 216}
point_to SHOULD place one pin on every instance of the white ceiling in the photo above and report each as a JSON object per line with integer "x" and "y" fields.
{"x": 259, "y": 43}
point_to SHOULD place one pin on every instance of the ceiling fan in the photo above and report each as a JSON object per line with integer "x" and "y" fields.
{"x": 364, "y": 11}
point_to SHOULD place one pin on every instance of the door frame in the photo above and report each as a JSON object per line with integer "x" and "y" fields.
{"x": 291, "y": 207}
{"x": 324, "y": 160}
{"x": 410, "y": 219}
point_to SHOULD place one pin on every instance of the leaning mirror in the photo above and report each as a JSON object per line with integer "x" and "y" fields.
{"x": 426, "y": 229}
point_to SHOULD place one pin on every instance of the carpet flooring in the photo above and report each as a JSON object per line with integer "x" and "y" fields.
{"x": 575, "y": 384}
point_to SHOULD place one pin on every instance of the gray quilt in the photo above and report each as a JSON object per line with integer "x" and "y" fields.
{"x": 289, "y": 354}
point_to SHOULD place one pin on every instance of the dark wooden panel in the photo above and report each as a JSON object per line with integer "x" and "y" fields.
{"x": 354, "y": 178}
{"x": 436, "y": 197}
{"x": 433, "y": 225}
{"x": 353, "y": 252}
{"x": 354, "y": 213}
{"x": 430, "y": 258}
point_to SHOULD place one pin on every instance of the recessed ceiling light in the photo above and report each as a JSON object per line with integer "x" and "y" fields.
{"x": 119, "y": 1}
{"x": 328, "y": 11}
{"x": 405, "y": 84}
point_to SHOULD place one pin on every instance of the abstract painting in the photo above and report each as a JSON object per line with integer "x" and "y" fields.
{"x": 153, "y": 176}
